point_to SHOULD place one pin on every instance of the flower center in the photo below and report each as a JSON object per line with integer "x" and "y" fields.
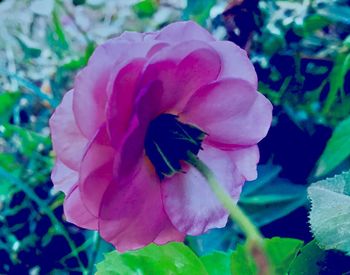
{"x": 168, "y": 141}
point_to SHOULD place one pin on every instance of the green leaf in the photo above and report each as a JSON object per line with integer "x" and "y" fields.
{"x": 145, "y": 8}
{"x": 337, "y": 149}
{"x": 309, "y": 260}
{"x": 172, "y": 258}
{"x": 7, "y": 102}
{"x": 198, "y": 10}
{"x": 217, "y": 263}
{"x": 330, "y": 212}
{"x": 269, "y": 198}
{"x": 281, "y": 252}
{"x": 313, "y": 23}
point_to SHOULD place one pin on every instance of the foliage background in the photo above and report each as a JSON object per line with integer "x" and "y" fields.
{"x": 301, "y": 52}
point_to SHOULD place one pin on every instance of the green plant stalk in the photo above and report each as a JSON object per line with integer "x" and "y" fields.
{"x": 254, "y": 238}
{"x": 45, "y": 208}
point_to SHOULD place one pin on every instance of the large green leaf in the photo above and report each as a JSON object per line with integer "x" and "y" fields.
{"x": 330, "y": 212}
{"x": 269, "y": 197}
{"x": 308, "y": 262}
{"x": 280, "y": 252}
{"x": 337, "y": 149}
{"x": 172, "y": 258}
{"x": 217, "y": 263}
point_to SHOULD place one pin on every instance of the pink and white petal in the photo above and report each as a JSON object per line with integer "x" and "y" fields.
{"x": 183, "y": 31}
{"x": 68, "y": 142}
{"x": 63, "y": 178}
{"x": 76, "y": 213}
{"x": 188, "y": 200}
{"x": 231, "y": 112}
{"x": 235, "y": 62}
{"x": 179, "y": 70}
{"x": 132, "y": 213}
{"x": 246, "y": 160}
{"x": 96, "y": 172}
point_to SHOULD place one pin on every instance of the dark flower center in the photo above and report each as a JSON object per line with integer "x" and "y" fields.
{"x": 168, "y": 141}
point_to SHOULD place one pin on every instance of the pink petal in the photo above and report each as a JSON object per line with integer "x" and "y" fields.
{"x": 235, "y": 62}
{"x": 132, "y": 213}
{"x": 121, "y": 102}
{"x": 76, "y": 212}
{"x": 68, "y": 142}
{"x": 231, "y": 112}
{"x": 91, "y": 84}
{"x": 183, "y": 31}
{"x": 169, "y": 234}
{"x": 63, "y": 178}
{"x": 96, "y": 172}
{"x": 178, "y": 71}
{"x": 246, "y": 160}
{"x": 188, "y": 200}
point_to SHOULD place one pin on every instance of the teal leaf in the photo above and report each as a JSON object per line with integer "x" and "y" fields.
{"x": 308, "y": 262}
{"x": 198, "y": 10}
{"x": 172, "y": 258}
{"x": 330, "y": 212}
{"x": 337, "y": 149}
{"x": 280, "y": 252}
{"x": 269, "y": 197}
{"x": 217, "y": 263}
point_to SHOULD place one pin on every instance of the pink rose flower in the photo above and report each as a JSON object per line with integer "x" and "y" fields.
{"x": 120, "y": 135}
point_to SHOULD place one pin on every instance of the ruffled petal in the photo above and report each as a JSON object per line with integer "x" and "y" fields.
{"x": 132, "y": 213}
{"x": 177, "y": 72}
{"x": 188, "y": 200}
{"x": 231, "y": 112}
{"x": 246, "y": 160}
{"x": 76, "y": 213}
{"x": 63, "y": 178}
{"x": 67, "y": 140}
{"x": 120, "y": 106}
{"x": 91, "y": 84}
{"x": 96, "y": 171}
{"x": 183, "y": 31}
{"x": 235, "y": 62}
{"x": 169, "y": 234}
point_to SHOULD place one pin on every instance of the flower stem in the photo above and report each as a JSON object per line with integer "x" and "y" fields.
{"x": 254, "y": 238}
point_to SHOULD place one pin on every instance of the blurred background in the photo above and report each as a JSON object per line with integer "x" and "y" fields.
{"x": 301, "y": 52}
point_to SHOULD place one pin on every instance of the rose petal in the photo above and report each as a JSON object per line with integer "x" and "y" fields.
{"x": 121, "y": 102}
{"x": 235, "y": 62}
{"x": 183, "y": 31}
{"x": 246, "y": 160}
{"x": 178, "y": 71}
{"x": 231, "y": 112}
{"x": 132, "y": 213}
{"x": 76, "y": 212}
{"x": 63, "y": 177}
{"x": 96, "y": 172}
{"x": 169, "y": 234}
{"x": 67, "y": 140}
{"x": 188, "y": 200}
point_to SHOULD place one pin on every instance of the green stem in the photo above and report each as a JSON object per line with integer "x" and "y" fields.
{"x": 95, "y": 249}
{"x": 254, "y": 237}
